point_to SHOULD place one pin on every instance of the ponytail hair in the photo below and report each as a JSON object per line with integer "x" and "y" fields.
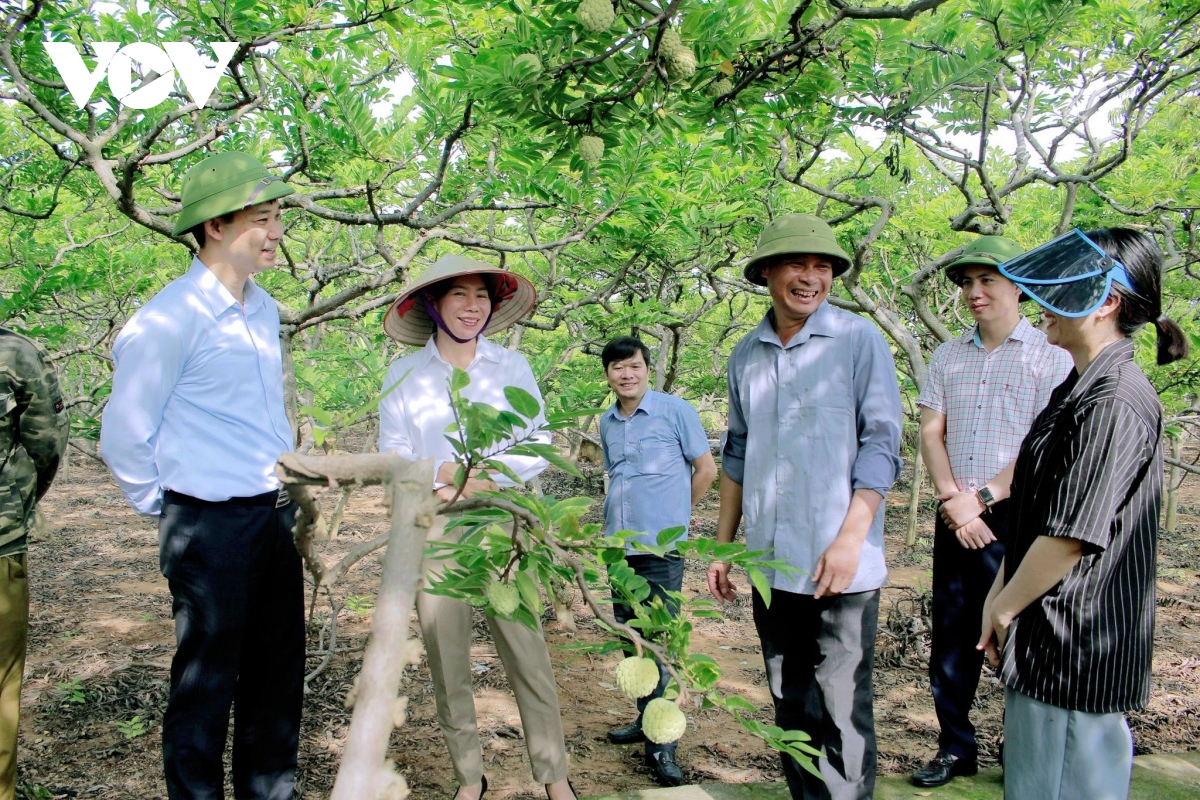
{"x": 1172, "y": 342}
{"x": 1143, "y": 261}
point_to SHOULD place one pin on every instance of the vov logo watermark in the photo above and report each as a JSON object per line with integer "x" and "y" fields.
{"x": 199, "y": 80}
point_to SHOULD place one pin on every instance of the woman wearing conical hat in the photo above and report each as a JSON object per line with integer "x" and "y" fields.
{"x": 448, "y": 311}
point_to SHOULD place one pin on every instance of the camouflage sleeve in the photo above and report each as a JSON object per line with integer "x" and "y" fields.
{"x": 44, "y": 422}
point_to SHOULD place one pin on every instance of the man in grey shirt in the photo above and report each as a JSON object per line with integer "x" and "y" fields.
{"x": 812, "y": 449}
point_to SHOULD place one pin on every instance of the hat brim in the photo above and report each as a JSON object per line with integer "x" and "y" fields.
{"x": 793, "y": 246}
{"x": 235, "y": 198}
{"x": 953, "y": 271}
{"x": 414, "y": 326}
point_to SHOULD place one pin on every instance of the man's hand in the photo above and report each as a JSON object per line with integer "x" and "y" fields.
{"x": 719, "y": 584}
{"x": 959, "y": 508}
{"x": 975, "y": 535}
{"x": 837, "y": 566}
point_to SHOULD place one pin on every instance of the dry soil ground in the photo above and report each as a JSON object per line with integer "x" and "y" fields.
{"x": 101, "y": 640}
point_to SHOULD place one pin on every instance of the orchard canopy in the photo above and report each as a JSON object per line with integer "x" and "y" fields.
{"x": 625, "y": 165}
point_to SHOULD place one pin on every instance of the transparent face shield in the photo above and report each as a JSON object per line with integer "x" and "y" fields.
{"x": 1070, "y": 275}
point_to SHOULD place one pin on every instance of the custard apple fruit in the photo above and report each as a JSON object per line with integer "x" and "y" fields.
{"x": 596, "y": 15}
{"x": 721, "y": 86}
{"x": 681, "y": 65}
{"x": 671, "y": 44}
{"x": 529, "y": 63}
{"x": 637, "y": 677}
{"x": 503, "y": 598}
{"x": 591, "y": 149}
{"x": 662, "y": 721}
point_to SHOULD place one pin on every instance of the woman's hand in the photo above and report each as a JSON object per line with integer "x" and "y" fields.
{"x": 987, "y": 638}
{"x": 472, "y": 487}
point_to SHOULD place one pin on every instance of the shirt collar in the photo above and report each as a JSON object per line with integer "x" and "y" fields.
{"x": 819, "y": 323}
{"x": 484, "y": 349}
{"x": 1024, "y": 333}
{"x": 647, "y": 406}
{"x": 219, "y": 298}
{"x": 1109, "y": 360}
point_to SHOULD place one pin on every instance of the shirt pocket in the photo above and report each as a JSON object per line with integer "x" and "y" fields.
{"x": 1018, "y": 401}
{"x": 658, "y": 454}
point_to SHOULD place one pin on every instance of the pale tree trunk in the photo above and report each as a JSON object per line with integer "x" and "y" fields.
{"x": 914, "y": 498}
{"x": 291, "y": 395}
{"x": 514, "y": 338}
{"x": 1174, "y": 481}
{"x": 365, "y": 773}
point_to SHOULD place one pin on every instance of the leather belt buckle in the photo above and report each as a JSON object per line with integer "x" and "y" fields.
{"x": 283, "y": 498}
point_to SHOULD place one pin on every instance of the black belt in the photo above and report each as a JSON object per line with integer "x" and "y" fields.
{"x": 276, "y": 499}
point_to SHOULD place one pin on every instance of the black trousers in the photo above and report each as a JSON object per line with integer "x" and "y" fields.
{"x": 819, "y": 656}
{"x": 238, "y": 602}
{"x": 664, "y": 574}
{"x": 961, "y": 580}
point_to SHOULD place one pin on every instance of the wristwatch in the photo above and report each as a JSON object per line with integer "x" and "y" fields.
{"x": 986, "y": 497}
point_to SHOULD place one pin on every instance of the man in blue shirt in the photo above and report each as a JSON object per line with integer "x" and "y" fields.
{"x": 191, "y": 432}
{"x": 812, "y": 449}
{"x": 659, "y": 465}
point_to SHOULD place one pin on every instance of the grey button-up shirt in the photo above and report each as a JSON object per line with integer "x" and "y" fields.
{"x": 649, "y": 458}
{"x": 810, "y": 423}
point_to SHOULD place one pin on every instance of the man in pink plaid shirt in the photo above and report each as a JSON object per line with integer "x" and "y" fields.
{"x": 982, "y": 394}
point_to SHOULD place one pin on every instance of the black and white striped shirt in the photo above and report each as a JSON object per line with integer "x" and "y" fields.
{"x": 1090, "y": 469}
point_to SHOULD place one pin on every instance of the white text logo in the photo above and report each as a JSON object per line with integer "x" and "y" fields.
{"x": 180, "y": 57}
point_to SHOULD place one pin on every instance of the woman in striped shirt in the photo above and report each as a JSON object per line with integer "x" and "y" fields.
{"x": 1070, "y": 618}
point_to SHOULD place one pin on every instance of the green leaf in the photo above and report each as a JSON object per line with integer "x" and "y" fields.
{"x": 669, "y": 535}
{"x": 503, "y": 469}
{"x": 459, "y": 380}
{"x": 529, "y": 592}
{"x": 522, "y": 402}
{"x": 760, "y": 583}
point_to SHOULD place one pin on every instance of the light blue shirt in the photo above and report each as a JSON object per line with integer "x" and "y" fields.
{"x": 197, "y": 395}
{"x": 649, "y": 458}
{"x": 809, "y": 424}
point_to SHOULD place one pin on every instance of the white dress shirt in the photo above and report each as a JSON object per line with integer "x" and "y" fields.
{"x": 413, "y": 417}
{"x": 197, "y": 395}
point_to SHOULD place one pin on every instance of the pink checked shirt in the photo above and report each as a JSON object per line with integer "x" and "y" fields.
{"x": 991, "y": 399}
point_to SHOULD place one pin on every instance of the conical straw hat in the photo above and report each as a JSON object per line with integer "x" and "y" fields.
{"x": 407, "y": 321}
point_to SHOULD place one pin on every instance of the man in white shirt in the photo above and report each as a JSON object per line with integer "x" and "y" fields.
{"x": 191, "y": 432}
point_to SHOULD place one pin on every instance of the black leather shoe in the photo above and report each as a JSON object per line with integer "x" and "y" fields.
{"x": 666, "y": 771}
{"x": 942, "y": 768}
{"x": 630, "y": 734}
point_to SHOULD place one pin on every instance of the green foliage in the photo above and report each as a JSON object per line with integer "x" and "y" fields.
{"x": 72, "y": 691}
{"x": 132, "y": 728}
{"x": 910, "y": 135}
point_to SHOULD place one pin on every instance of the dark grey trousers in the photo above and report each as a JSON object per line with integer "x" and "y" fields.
{"x": 819, "y": 655}
{"x": 237, "y": 594}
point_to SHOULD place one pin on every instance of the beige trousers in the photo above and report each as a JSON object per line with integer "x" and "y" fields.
{"x": 14, "y": 632}
{"x": 446, "y": 629}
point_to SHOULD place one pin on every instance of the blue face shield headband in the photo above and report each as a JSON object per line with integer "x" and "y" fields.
{"x": 1070, "y": 275}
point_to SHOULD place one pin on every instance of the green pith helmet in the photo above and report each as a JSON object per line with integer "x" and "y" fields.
{"x": 225, "y": 183}
{"x": 987, "y": 251}
{"x": 795, "y": 234}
